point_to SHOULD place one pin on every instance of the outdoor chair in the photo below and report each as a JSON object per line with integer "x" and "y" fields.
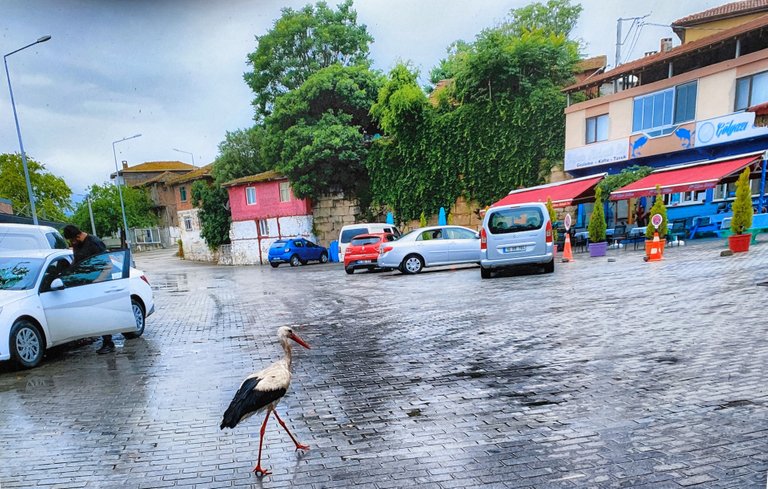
{"x": 619, "y": 234}
{"x": 577, "y": 241}
{"x": 677, "y": 230}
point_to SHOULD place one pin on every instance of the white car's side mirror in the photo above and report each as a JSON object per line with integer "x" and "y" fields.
{"x": 57, "y": 284}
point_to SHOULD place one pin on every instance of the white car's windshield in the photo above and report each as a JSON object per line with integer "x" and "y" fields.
{"x": 19, "y": 273}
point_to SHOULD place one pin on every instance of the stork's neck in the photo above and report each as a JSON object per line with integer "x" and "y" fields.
{"x": 288, "y": 356}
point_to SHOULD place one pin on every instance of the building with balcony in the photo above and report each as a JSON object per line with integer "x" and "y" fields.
{"x": 689, "y": 105}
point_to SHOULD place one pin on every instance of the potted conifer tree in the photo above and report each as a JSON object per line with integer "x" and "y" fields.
{"x": 597, "y": 243}
{"x": 553, "y": 219}
{"x": 739, "y": 239}
{"x": 658, "y": 207}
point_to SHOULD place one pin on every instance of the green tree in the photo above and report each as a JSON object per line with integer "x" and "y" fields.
{"x": 742, "y": 205}
{"x": 240, "y": 154}
{"x": 318, "y": 132}
{"x": 596, "y": 227}
{"x": 52, "y": 194}
{"x": 554, "y": 17}
{"x": 658, "y": 207}
{"x": 300, "y": 43}
{"x": 215, "y": 218}
{"x": 107, "y": 214}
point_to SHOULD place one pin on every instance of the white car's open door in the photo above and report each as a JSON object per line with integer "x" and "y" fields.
{"x": 94, "y": 300}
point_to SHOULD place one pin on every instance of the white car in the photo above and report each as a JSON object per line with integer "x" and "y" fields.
{"x": 46, "y": 301}
{"x": 28, "y": 237}
{"x": 430, "y": 247}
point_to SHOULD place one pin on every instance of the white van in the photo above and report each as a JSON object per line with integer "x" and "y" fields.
{"x": 30, "y": 237}
{"x": 351, "y": 230}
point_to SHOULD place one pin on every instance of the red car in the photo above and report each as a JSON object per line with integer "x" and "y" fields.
{"x": 363, "y": 251}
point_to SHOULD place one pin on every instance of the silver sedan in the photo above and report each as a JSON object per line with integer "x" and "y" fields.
{"x": 430, "y": 247}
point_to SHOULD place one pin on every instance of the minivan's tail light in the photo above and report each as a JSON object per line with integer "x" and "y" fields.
{"x": 549, "y": 231}
{"x": 483, "y": 240}
{"x": 144, "y": 278}
{"x": 385, "y": 249}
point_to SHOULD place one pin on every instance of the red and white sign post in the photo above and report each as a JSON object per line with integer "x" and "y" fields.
{"x": 655, "y": 252}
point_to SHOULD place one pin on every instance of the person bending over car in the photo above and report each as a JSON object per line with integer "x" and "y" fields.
{"x": 84, "y": 246}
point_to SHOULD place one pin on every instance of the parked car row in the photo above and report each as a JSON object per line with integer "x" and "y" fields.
{"x": 511, "y": 236}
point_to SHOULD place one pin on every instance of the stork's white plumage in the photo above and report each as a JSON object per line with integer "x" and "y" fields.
{"x": 263, "y": 390}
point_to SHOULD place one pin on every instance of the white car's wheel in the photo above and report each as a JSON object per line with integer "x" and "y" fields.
{"x": 27, "y": 346}
{"x": 412, "y": 264}
{"x": 140, "y": 317}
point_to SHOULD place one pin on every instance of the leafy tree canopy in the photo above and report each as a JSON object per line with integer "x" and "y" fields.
{"x": 52, "y": 194}
{"x": 301, "y": 43}
{"x": 554, "y": 17}
{"x": 215, "y": 217}
{"x": 317, "y": 132}
{"x": 401, "y": 104}
{"x": 107, "y": 214}
{"x": 240, "y": 154}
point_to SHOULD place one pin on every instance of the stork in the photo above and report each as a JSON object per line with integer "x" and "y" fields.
{"x": 263, "y": 390}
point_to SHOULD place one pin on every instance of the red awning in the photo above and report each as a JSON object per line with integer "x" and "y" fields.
{"x": 683, "y": 178}
{"x": 569, "y": 192}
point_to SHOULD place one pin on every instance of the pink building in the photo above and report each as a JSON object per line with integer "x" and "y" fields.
{"x": 264, "y": 210}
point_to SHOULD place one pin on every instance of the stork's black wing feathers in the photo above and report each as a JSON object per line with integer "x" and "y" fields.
{"x": 247, "y": 401}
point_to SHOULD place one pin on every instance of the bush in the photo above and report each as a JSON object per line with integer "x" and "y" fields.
{"x": 552, "y": 217}
{"x": 597, "y": 221}
{"x": 658, "y": 207}
{"x": 742, "y": 206}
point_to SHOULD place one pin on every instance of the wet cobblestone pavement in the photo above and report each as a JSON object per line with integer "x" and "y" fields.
{"x": 605, "y": 374}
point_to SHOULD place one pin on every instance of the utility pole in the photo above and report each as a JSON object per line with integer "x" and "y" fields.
{"x": 90, "y": 213}
{"x": 619, "y": 41}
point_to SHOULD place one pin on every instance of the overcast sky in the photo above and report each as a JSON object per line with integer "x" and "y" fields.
{"x": 172, "y": 70}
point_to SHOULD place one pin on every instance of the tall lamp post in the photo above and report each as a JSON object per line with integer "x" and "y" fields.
{"x": 119, "y": 187}
{"x": 18, "y": 130}
{"x": 190, "y": 154}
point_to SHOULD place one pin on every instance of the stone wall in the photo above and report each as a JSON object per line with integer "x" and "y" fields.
{"x": 195, "y": 247}
{"x": 331, "y": 213}
{"x": 462, "y": 213}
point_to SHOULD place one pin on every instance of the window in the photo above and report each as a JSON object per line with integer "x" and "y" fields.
{"x": 459, "y": 233}
{"x": 751, "y": 90}
{"x": 678, "y": 198}
{"x": 298, "y": 244}
{"x": 515, "y": 220}
{"x": 656, "y": 113}
{"x": 188, "y": 223}
{"x": 183, "y": 193}
{"x": 250, "y": 195}
{"x": 285, "y": 191}
{"x": 97, "y": 268}
{"x": 263, "y": 227}
{"x": 685, "y": 102}
{"x": 597, "y": 129}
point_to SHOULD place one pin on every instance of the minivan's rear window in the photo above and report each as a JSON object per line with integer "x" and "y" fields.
{"x": 348, "y": 234}
{"x": 365, "y": 240}
{"x": 515, "y": 220}
{"x": 56, "y": 241}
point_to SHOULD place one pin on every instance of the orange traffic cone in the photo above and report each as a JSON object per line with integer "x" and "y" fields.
{"x": 567, "y": 254}
{"x": 655, "y": 252}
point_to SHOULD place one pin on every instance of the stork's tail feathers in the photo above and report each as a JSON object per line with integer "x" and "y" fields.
{"x": 230, "y": 420}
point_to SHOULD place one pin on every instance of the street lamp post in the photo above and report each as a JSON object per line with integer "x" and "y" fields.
{"x": 18, "y": 130}
{"x": 190, "y": 154}
{"x": 119, "y": 188}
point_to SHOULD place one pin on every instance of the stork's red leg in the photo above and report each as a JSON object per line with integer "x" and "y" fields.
{"x": 258, "y": 470}
{"x": 299, "y": 446}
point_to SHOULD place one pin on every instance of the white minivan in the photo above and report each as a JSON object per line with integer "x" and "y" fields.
{"x": 515, "y": 235}
{"x": 30, "y": 237}
{"x": 351, "y": 230}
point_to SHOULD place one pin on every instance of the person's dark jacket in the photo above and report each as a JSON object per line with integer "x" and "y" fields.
{"x": 90, "y": 246}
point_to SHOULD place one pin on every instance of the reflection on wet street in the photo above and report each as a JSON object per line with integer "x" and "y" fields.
{"x": 604, "y": 374}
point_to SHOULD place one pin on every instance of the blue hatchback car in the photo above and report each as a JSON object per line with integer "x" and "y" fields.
{"x": 296, "y": 251}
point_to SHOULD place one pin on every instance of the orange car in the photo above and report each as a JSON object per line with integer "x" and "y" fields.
{"x": 363, "y": 251}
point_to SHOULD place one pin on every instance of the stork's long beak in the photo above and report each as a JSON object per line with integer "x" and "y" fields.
{"x": 298, "y": 340}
